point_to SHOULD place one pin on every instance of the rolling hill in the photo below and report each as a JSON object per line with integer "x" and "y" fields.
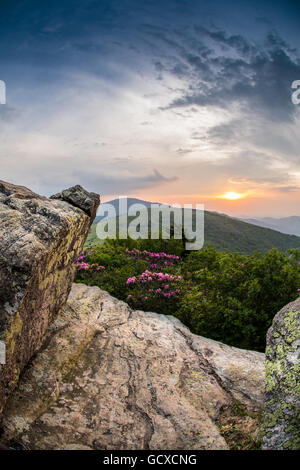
{"x": 130, "y": 202}
{"x": 225, "y": 233}
{"x": 288, "y": 225}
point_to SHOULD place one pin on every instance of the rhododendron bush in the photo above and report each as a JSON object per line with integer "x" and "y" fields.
{"x": 154, "y": 290}
{"x": 225, "y": 296}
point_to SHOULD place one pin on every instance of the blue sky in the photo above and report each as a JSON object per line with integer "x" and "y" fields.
{"x": 172, "y": 100}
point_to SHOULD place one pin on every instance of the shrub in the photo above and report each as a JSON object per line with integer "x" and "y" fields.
{"x": 228, "y": 297}
{"x": 233, "y": 298}
{"x": 157, "y": 291}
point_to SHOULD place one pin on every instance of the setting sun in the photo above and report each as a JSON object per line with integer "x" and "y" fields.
{"x": 232, "y": 196}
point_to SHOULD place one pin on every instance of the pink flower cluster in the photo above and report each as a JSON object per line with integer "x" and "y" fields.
{"x": 83, "y": 265}
{"x": 150, "y": 276}
{"x": 157, "y": 259}
{"x": 150, "y": 254}
{"x": 155, "y": 284}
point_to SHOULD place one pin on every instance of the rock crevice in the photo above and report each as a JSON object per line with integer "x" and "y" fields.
{"x": 40, "y": 239}
{"x": 113, "y": 378}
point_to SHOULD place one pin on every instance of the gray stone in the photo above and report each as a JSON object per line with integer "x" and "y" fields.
{"x": 79, "y": 197}
{"x": 281, "y": 421}
{"x": 40, "y": 239}
{"x": 113, "y": 378}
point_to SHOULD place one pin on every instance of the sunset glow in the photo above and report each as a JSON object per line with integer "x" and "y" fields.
{"x": 232, "y": 196}
{"x": 162, "y": 101}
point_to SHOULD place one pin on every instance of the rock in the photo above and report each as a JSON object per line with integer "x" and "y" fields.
{"x": 281, "y": 420}
{"x": 79, "y": 197}
{"x": 112, "y": 378}
{"x": 39, "y": 240}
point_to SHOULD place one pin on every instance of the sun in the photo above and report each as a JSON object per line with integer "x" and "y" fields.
{"x": 231, "y": 196}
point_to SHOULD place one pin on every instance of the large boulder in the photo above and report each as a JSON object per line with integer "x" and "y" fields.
{"x": 112, "y": 378}
{"x": 281, "y": 421}
{"x": 40, "y": 239}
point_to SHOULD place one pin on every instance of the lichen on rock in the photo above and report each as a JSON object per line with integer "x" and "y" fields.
{"x": 79, "y": 197}
{"x": 40, "y": 239}
{"x": 114, "y": 378}
{"x": 281, "y": 423}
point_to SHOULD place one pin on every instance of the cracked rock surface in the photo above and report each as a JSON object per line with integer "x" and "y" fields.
{"x": 39, "y": 240}
{"x": 112, "y": 378}
{"x": 281, "y": 421}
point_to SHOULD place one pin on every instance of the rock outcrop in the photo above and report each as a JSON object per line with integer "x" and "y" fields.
{"x": 282, "y": 395}
{"x": 112, "y": 378}
{"x": 40, "y": 239}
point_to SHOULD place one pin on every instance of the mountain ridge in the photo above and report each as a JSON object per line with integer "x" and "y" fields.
{"x": 288, "y": 225}
{"x": 224, "y": 232}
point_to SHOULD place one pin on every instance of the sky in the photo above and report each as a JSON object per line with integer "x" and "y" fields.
{"x": 176, "y": 101}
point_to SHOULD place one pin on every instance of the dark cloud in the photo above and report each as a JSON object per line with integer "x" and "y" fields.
{"x": 286, "y": 189}
{"x": 88, "y": 80}
{"x": 182, "y": 151}
{"x": 95, "y": 180}
{"x": 263, "y": 20}
{"x": 236, "y": 71}
{"x": 216, "y": 68}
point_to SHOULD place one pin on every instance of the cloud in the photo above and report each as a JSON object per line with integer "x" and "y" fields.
{"x": 121, "y": 184}
{"x": 218, "y": 70}
{"x": 182, "y": 151}
{"x": 52, "y": 175}
{"x": 103, "y": 92}
{"x": 259, "y": 170}
{"x": 286, "y": 189}
{"x": 8, "y": 113}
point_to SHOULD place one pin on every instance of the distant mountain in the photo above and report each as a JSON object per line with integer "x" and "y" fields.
{"x": 228, "y": 234}
{"x": 130, "y": 201}
{"x": 225, "y": 233}
{"x": 288, "y": 225}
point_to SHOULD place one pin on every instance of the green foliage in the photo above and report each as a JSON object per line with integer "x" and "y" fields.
{"x": 225, "y": 234}
{"x": 229, "y": 297}
{"x": 117, "y": 269}
{"x": 233, "y": 298}
{"x": 232, "y": 235}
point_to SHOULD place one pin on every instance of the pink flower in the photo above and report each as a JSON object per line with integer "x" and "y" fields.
{"x": 99, "y": 268}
